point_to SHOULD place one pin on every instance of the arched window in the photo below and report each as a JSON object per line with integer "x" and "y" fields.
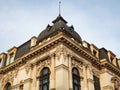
{"x": 76, "y": 79}
{"x": 8, "y": 86}
{"x": 44, "y": 79}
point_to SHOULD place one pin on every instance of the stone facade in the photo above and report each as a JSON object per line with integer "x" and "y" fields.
{"x": 98, "y": 69}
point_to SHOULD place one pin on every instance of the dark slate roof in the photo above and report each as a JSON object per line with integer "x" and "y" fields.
{"x": 103, "y": 54}
{"x": 59, "y": 24}
{"x": 23, "y": 49}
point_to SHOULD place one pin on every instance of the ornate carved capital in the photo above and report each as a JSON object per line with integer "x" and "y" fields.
{"x": 16, "y": 72}
{"x": 77, "y": 64}
{"x": 28, "y": 67}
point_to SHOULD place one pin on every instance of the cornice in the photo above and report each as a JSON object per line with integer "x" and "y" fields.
{"x": 47, "y": 45}
{"x": 109, "y": 66}
{"x": 54, "y": 41}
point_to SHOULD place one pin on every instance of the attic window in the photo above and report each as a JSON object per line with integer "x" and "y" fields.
{"x": 11, "y": 58}
{"x": 111, "y": 58}
{"x": 94, "y": 52}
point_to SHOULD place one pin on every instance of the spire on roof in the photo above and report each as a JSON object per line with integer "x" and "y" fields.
{"x": 59, "y": 7}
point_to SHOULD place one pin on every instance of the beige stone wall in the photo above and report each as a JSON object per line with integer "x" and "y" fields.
{"x": 60, "y": 62}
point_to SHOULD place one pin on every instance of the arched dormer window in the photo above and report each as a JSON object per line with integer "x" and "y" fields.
{"x": 44, "y": 79}
{"x": 76, "y": 79}
{"x": 8, "y": 86}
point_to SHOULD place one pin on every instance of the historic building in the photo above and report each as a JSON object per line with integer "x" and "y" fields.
{"x": 58, "y": 59}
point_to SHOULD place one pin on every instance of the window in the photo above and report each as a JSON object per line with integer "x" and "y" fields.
{"x": 11, "y": 58}
{"x": 21, "y": 87}
{"x": 76, "y": 79}
{"x": 44, "y": 79}
{"x": 95, "y": 53}
{"x": 96, "y": 83}
{"x": 8, "y": 86}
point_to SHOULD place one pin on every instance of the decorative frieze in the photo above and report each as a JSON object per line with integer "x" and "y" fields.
{"x": 77, "y": 64}
{"x": 42, "y": 64}
{"x": 8, "y": 78}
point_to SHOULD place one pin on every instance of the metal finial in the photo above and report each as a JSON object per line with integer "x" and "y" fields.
{"x": 59, "y": 7}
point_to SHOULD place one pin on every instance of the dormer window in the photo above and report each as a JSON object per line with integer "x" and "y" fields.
{"x": 94, "y": 52}
{"x": 111, "y": 58}
{"x": 11, "y": 58}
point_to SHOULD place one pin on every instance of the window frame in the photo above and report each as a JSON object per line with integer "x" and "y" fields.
{"x": 76, "y": 79}
{"x": 44, "y": 79}
{"x": 8, "y": 86}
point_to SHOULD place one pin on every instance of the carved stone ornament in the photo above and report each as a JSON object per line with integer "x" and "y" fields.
{"x": 8, "y": 78}
{"x": 16, "y": 72}
{"x": 28, "y": 67}
{"x": 42, "y": 64}
{"x": 77, "y": 64}
{"x": 61, "y": 50}
{"x": 116, "y": 82}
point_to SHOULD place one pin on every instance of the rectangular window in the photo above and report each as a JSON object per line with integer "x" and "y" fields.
{"x": 96, "y": 83}
{"x": 11, "y": 58}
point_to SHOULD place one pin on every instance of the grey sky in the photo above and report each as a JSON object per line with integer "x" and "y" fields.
{"x": 96, "y": 21}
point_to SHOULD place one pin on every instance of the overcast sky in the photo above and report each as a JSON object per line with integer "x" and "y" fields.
{"x": 96, "y": 21}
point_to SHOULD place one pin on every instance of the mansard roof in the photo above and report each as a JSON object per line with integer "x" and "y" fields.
{"x": 59, "y": 25}
{"x": 23, "y": 49}
{"x": 103, "y": 54}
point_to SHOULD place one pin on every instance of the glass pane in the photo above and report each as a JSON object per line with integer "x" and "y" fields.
{"x": 75, "y": 81}
{"x": 75, "y": 71}
{"x": 45, "y": 87}
{"x": 45, "y": 71}
{"x": 45, "y": 81}
{"x": 11, "y": 58}
{"x": 8, "y": 87}
{"x": 76, "y": 88}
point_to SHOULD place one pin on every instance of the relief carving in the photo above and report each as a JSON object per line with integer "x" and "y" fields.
{"x": 77, "y": 64}
{"x": 8, "y": 78}
{"x": 16, "y": 72}
{"x": 115, "y": 82}
{"x": 28, "y": 67}
{"x": 42, "y": 64}
{"x": 61, "y": 50}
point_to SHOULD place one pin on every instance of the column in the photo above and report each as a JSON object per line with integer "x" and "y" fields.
{"x": 85, "y": 77}
{"x": 90, "y": 78}
{"x": 61, "y": 71}
{"x": 52, "y": 77}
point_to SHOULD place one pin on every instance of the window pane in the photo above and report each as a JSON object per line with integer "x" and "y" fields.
{"x": 8, "y": 86}
{"x": 45, "y": 71}
{"x": 45, "y": 81}
{"x": 11, "y": 58}
{"x": 75, "y": 71}
{"x": 45, "y": 87}
{"x": 76, "y": 88}
{"x": 75, "y": 81}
